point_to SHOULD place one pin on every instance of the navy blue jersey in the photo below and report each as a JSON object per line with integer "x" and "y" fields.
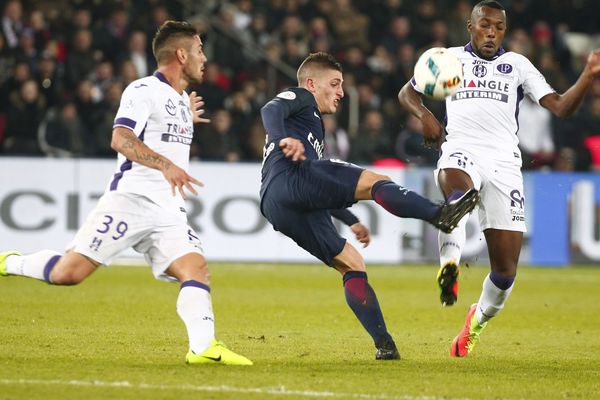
{"x": 292, "y": 113}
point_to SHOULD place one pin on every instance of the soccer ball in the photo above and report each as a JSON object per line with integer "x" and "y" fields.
{"x": 438, "y": 73}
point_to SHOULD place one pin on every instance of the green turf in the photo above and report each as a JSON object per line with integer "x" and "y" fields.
{"x": 117, "y": 336}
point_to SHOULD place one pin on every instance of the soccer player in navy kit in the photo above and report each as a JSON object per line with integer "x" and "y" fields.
{"x": 299, "y": 189}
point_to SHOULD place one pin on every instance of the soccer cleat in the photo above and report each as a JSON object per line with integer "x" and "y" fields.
{"x": 217, "y": 353}
{"x": 3, "y": 257}
{"x": 447, "y": 279}
{"x": 452, "y": 212}
{"x": 387, "y": 350}
{"x": 463, "y": 344}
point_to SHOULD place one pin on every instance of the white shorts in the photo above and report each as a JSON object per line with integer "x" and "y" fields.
{"x": 123, "y": 220}
{"x": 502, "y": 204}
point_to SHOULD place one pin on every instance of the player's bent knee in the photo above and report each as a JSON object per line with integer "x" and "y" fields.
{"x": 66, "y": 277}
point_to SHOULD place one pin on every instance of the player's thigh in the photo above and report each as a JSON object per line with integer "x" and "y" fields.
{"x": 457, "y": 159}
{"x": 170, "y": 240}
{"x": 326, "y": 184}
{"x": 311, "y": 230}
{"x": 117, "y": 222}
{"x": 502, "y": 204}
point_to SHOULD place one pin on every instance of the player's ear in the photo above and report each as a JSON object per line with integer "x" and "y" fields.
{"x": 310, "y": 84}
{"x": 181, "y": 54}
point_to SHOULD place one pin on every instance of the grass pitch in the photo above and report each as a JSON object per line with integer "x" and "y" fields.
{"x": 117, "y": 336}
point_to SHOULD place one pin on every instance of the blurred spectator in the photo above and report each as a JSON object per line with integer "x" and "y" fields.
{"x": 39, "y": 29}
{"x": 410, "y": 146}
{"x": 373, "y": 140}
{"x": 351, "y": 27}
{"x": 81, "y": 58}
{"x": 111, "y": 37}
{"x": 89, "y": 110}
{"x": 12, "y": 23}
{"x": 65, "y": 134}
{"x": 101, "y": 78}
{"x": 50, "y": 81}
{"x": 535, "y": 135}
{"x": 218, "y": 141}
{"x": 399, "y": 32}
{"x": 461, "y": 13}
{"x": 136, "y": 52}
{"x": 26, "y": 110}
{"x": 214, "y": 87}
{"x": 102, "y": 132}
{"x": 337, "y": 141}
{"x": 128, "y": 72}
{"x": 20, "y": 73}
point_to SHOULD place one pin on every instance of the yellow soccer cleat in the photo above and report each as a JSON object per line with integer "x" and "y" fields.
{"x": 217, "y": 353}
{"x": 3, "y": 257}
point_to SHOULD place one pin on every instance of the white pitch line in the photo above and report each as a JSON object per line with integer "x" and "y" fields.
{"x": 276, "y": 391}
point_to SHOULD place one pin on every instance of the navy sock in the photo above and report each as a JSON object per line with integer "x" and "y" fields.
{"x": 501, "y": 282}
{"x": 403, "y": 202}
{"x": 362, "y": 300}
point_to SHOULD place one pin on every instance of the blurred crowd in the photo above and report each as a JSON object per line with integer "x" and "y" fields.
{"x": 64, "y": 65}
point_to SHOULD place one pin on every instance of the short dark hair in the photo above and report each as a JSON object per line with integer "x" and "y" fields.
{"x": 489, "y": 3}
{"x": 168, "y": 32}
{"x": 320, "y": 60}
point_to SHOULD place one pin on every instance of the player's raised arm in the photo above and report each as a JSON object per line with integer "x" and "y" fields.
{"x": 412, "y": 101}
{"x": 564, "y": 105}
{"x": 127, "y": 143}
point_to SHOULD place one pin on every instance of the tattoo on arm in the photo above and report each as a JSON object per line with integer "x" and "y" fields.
{"x": 134, "y": 149}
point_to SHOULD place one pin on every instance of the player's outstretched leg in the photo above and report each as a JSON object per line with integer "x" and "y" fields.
{"x": 36, "y": 265}
{"x": 408, "y": 204}
{"x": 361, "y": 298}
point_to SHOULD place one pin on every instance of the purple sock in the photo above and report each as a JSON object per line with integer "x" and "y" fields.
{"x": 49, "y": 266}
{"x": 454, "y": 195}
{"x": 501, "y": 282}
{"x": 361, "y": 298}
{"x": 403, "y": 202}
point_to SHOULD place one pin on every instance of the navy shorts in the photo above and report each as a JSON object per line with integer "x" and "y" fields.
{"x": 297, "y": 204}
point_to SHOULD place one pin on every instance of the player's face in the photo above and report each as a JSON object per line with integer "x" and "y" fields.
{"x": 487, "y": 27}
{"x": 193, "y": 69}
{"x": 328, "y": 90}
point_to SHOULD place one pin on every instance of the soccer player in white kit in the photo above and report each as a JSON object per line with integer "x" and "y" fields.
{"x": 480, "y": 151}
{"x": 143, "y": 205}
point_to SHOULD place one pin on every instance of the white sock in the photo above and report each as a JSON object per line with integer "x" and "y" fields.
{"x": 31, "y": 265}
{"x": 451, "y": 244}
{"x": 194, "y": 307}
{"x": 491, "y": 301}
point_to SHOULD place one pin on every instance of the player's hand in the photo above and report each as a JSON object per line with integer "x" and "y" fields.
{"x": 196, "y": 105}
{"x": 292, "y": 148}
{"x": 179, "y": 179}
{"x": 362, "y": 233}
{"x": 593, "y": 62}
{"x": 433, "y": 131}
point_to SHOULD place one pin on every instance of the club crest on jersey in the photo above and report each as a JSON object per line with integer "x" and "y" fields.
{"x": 504, "y": 71}
{"x": 170, "y": 107}
{"x": 479, "y": 70}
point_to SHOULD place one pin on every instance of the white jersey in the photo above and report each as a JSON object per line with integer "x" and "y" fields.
{"x": 162, "y": 119}
{"x": 483, "y": 115}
